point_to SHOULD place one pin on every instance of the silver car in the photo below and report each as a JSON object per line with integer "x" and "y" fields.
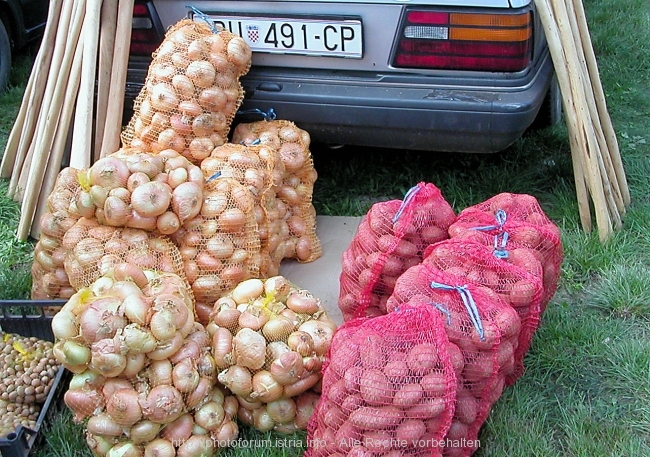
{"x": 432, "y": 75}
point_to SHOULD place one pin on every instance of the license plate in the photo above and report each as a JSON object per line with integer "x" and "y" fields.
{"x": 305, "y": 36}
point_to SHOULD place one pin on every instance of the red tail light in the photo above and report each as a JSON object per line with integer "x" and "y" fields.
{"x": 144, "y": 37}
{"x": 465, "y": 41}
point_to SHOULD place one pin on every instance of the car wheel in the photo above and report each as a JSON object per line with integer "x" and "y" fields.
{"x": 5, "y": 56}
{"x": 550, "y": 113}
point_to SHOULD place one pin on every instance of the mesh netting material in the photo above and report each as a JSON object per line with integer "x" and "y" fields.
{"x": 483, "y": 334}
{"x": 536, "y": 248}
{"x": 143, "y": 373}
{"x": 142, "y": 365}
{"x": 92, "y": 250}
{"x": 132, "y": 188}
{"x": 49, "y": 278}
{"x": 259, "y": 169}
{"x": 191, "y": 92}
{"x": 297, "y": 184}
{"x": 470, "y": 262}
{"x": 519, "y": 207}
{"x": 269, "y": 338}
{"x": 220, "y": 247}
{"x": 389, "y": 240}
{"x": 389, "y": 385}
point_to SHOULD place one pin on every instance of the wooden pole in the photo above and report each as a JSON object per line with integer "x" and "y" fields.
{"x": 60, "y": 139}
{"x": 113, "y": 126}
{"x": 82, "y": 133}
{"x": 601, "y": 103}
{"x": 23, "y": 157}
{"x": 43, "y": 143}
{"x": 108, "y": 25}
{"x": 31, "y": 103}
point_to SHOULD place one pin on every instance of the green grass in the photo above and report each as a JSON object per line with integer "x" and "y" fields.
{"x": 586, "y": 390}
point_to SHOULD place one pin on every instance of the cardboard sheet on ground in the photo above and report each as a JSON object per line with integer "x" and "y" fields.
{"x": 321, "y": 277}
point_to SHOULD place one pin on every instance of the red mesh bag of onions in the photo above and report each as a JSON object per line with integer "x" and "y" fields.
{"x": 470, "y": 262}
{"x": 220, "y": 247}
{"x": 93, "y": 250}
{"x": 297, "y": 186}
{"x": 389, "y": 385}
{"x": 142, "y": 365}
{"x": 389, "y": 240}
{"x": 259, "y": 168}
{"x": 269, "y": 339}
{"x": 191, "y": 92}
{"x": 535, "y": 248}
{"x": 49, "y": 278}
{"x": 483, "y": 334}
{"x": 132, "y": 188}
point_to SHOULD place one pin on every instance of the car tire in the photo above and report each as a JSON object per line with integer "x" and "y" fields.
{"x": 5, "y": 56}
{"x": 550, "y": 113}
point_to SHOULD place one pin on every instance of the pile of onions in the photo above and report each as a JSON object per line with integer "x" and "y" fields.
{"x": 474, "y": 263}
{"x": 389, "y": 240}
{"x": 482, "y": 351}
{"x": 92, "y": 250}
{"x": 13, "y": 415}
{"x": 28, "y": 366}
{"x": 259, "y": 168}
{"x": 199, "y": 432}
{"x": 49, "y": 278}
{"x": 123, "y": 320}
{"x": 131, "y": 188}
{"x": 191, "y": 93}
{"x": 296, "y": 188}
{"x": 220, "y": 247}
{"x": 269, "y": 339}
{"x": 170, "y": 406}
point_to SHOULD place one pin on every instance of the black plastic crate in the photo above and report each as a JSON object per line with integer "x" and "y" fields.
{"x": 27, "y": 318}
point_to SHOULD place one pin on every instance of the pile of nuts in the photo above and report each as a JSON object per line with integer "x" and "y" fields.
{"x": 29, "y": 369}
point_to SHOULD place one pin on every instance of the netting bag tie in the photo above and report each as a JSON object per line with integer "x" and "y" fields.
{"x": 269, "y": 115}
{"x": 501, "y": 238}
{"x": 410, "y": 195}
{"x": 468, "y": 301}
{"x": 201, "y": 15}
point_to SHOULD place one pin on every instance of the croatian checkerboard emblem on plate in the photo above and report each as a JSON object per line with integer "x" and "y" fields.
{"x": 253, "y": 33}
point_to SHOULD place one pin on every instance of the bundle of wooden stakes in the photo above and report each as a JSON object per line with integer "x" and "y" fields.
{"x": 597, "y": 165}
{"x": 74, "y": 96}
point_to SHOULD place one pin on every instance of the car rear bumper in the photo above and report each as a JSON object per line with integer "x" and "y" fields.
{"x": 404, "y": 116}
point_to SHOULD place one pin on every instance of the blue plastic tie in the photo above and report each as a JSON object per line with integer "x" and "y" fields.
{"x": 444, "y": 311}
{"x": 267, "y": 115}
{"x": 214, "y": 176}
{"x": 468, "y": 301}
{"x": 201, "y": 15}
{"x": 405, "y": 202}
{"x": 501, "y": 238}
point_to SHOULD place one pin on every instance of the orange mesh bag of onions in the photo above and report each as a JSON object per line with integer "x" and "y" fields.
{"x": 483, "y": 332}
{"x": 269, "y": 339}
{"x": 220, "y": 247}
{"x": 142, "y": 364}
{"x": 133, "y": 188}
{"x": 474, "y": 263}
{"x": 94, "y": 250}
{"x": 297, "y": 187}
{"x": 49, "y": 278}
{"x": 535, "y": 248}
{"x": 191, "y": 92}
{"x": 389, "y": 240}
{"x": 260, "y": 169}
{"x": 389, "y": 386}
